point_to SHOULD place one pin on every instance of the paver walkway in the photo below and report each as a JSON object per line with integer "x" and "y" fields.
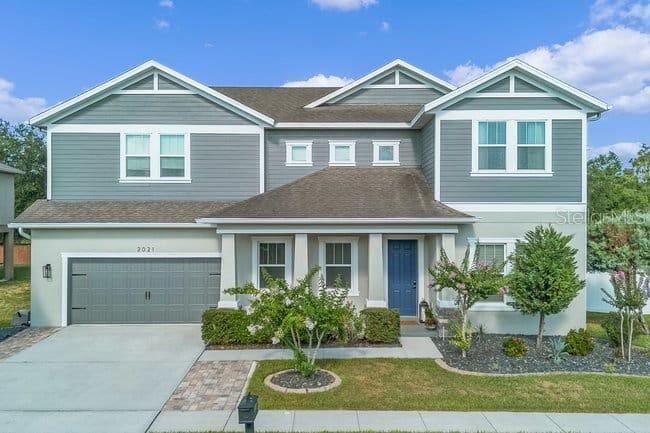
{"x": 412, "y": 347}
{"x": 23, "y": 340}
{"x": 353, "y": 421}
{"x": 210, "y": 385}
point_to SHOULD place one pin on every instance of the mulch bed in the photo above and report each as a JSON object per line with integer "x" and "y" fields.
{"x": 334, "y": 345}
{"x": 294, "y": 380}
{"x": 486, "y": 356}
{"x": 10, "y": 331}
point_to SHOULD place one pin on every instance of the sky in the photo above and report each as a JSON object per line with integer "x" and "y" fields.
{"x": 54, "y": 50}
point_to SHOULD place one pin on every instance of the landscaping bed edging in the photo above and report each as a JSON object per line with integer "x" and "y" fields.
{"x": 268, "y": 381}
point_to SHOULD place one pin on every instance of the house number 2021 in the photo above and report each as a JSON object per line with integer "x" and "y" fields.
{"x": 145, "y": 249}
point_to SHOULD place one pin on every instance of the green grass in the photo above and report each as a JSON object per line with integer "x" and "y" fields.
{"x": 14, "y": 295}
{"x": 418, "y": 384}
{"x": 594, "y": 327}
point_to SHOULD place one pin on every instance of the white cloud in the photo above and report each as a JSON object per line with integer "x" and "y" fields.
{"x": 344, "y": 5}
{"x": 612, "y": 64}
{"x": 384, "y": 26}
{"x": 166, "y": 4}
{"x": 625, "y": 150}
{"x": 14, "y": 109}
{"x": 208, "y": 45}
{"x": 614, "y": 12}
{"x": 162, "y": 24}
{"x": 320, "y": 80}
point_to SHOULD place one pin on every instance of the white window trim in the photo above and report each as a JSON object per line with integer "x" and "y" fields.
{"x": 376, "y": 144}
{"x": 511, "y": 150}
{"x": 354, "y": 252}
{"x": 352, "y": 144}
{"x": 154, "y": 158}
{"x": 510, "y": 244}
{"x": 288, "y": 257}
{"x": 289, "y": 161}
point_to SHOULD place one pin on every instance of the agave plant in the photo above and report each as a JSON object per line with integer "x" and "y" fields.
{"x": 557, "y": 350}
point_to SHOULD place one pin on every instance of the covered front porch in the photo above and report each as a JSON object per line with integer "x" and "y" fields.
{"x": 381, "y": 266}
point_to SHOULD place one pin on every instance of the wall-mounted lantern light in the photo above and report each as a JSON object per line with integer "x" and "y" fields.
{"x": 47, "y": 271}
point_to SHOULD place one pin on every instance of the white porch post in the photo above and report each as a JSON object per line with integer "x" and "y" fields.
{"x": 300, "y": 253}
{"x": 448, "y": 243}
{"x": 228, "y": 271}
{"x": 376, "y": 289}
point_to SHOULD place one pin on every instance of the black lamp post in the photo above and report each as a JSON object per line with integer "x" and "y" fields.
{"x": 247, "y": 410}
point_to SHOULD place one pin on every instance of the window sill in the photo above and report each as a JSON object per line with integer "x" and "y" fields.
{"x": 343, "y": 164}
{"x": 146, "y": 180}
{"x": 511, "y": 174}
{"x": 491, "y": 306}
{"x": 299, "y": 164}
{"x": 385, "y": 163}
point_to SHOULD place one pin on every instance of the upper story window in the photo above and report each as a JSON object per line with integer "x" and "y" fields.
{"x": 385, "y": 153}
{"x": 299, "y": 153}
{"x": 155, "y": 158}
{"x": 342, "y": 153}
{"x": 511, "y": 147}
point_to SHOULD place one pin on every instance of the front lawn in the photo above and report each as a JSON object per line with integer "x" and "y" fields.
{"x": 594, "y": 327}
{"x": 419, "y": 384}
{"x": 14, "y": 295}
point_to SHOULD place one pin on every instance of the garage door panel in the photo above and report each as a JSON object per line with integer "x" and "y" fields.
{"x": 147, "y": 290}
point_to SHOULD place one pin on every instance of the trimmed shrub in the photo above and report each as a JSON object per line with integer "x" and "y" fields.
{"x": 578, "y": 342}
{"x": 514, "y": 347}
{"x": 225, "y": 326}
{"x": 381, "y": 325}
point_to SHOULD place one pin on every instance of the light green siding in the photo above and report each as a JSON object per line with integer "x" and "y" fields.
{"x": 501, "y": 86}
{"x": 144, "y": 84}
{"x": 388, "y": 79}
{"x": 522, "y": 86}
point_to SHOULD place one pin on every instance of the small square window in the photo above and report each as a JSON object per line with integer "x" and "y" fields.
{"x": 342, "y": 153}
{"x": 299, "y": 153}
{"x": 385, "y": 153}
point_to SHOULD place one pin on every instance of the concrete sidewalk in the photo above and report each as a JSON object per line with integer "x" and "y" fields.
{"x": 412, "y": 347}
{"x": 353, "y": 421}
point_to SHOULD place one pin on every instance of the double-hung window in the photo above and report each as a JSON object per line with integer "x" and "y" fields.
{"x": 511, "y": 147}
{"x": 155, "y": 157}
{"x": 490, "y": 253}
{"x": 342, "y": 152}
{"x": 272, "y": 257}
{"x": 299, "y": 153}
{"x": 339, "y": 263}
{"x": 385, "y": 152}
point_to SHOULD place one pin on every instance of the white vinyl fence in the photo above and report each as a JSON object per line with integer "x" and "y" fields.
{"x": 595, "y": 282}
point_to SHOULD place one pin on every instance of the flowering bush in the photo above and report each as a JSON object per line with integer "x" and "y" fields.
{"x": 514, "y": 347}
{"x": 472, "y": 281}
{"x": 297, "y": 315}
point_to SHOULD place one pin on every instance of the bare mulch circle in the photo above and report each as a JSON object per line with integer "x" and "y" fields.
{"x": 486, "y": 356}
{"x": 292, "y": 381}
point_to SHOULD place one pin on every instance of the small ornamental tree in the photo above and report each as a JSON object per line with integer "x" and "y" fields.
{"x": 472, "y": 281}
{"x": 298, "y": 315}
{"x": 543, "y": 279}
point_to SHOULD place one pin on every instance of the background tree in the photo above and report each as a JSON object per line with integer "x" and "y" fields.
{"x": 543, "y": 279}
{"x": 23, "y": 147}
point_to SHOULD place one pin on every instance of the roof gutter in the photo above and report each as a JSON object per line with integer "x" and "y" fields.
{"x": 21, "y": 226}
{"x": 300, "y": 221}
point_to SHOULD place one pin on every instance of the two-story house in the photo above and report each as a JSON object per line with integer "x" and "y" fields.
{"x": 162, "y": 192}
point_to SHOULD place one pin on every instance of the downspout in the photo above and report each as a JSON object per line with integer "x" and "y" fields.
{"x": 23, "y": 234}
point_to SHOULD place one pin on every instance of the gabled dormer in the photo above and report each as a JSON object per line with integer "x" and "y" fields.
{"x": 397, "y": 83}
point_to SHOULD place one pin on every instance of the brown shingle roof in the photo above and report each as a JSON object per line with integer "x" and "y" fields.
{"x": 347, "y": 192}
{"x": 285, "y": 104}
{"x": 60, "y": 211}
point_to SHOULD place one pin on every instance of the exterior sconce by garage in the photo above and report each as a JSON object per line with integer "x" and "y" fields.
{"x": 47, "y": 271}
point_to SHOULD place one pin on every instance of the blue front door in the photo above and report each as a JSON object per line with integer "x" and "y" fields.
{"x": 403, "y": 276}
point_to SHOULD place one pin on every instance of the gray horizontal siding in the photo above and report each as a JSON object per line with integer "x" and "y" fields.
{"x": 145, "y": 84}
{"x": 388, "y": 79}
{"x": 407, "y": 79}
{"x": 511, "y": 104}
{"x": 428, "y": 152}
{"x": 165, "y": 83}
{"x": 391, "y": 96}
{"x": 456, "y": 163}
{"x": 278, "y": 174}
{"x": 87, "y": 167}
{"x": 501, "y": 86}
{"x": 155, "y": 109}
{"x": 522, "y": 86}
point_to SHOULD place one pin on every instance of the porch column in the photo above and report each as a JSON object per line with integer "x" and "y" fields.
{"x": 376, "y": 289}
{"x": 301, "y": 257}
{"x": 228, "y": 271}
{"x": 448, "y": 244}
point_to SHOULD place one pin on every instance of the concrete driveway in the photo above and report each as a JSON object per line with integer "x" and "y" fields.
{"x": 96, "y": 378}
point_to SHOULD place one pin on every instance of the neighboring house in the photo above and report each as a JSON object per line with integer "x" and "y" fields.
{"x": 163, "y": 192}
{"x": 7, "y": 200}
